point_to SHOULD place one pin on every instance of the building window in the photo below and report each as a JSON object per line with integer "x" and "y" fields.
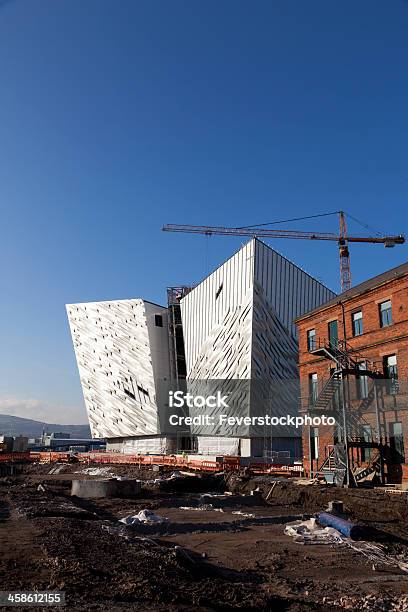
{"x": 311, "y": 339}
{"x": 158, "y": 320}
{"x": 143, "y": 394}
{"x": 397, "y": 442}
{"x": 333, "y": 333}
{"x": 128, "y": 388}
{"x": 357, "y": 320}
{"x": 218, "y": 291}
{"x": 385, "y": 314}
{"x": 367, "y": 436}
{"x": 391, "y": 373}
{"x": 362, "y": 382}
{"x": 313, "y": 387}
{"x": 314, "y": 442}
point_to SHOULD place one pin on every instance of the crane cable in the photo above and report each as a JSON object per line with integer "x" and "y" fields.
{"x": 336, "y": 212}
{"x": 289, "y": 220}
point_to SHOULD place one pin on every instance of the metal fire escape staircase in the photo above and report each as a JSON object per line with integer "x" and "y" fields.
{"x": 327, "y": 394}
{"x": 345, "y": 357}
{"x": 328, "y": 399}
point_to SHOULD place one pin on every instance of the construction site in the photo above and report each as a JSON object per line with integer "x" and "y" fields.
{"x": 181, "y": 512}
{"x": 187, "y": 539}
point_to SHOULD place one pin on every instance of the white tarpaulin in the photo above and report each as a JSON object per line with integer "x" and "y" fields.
{"x": 144, "y": 516}
{"x": 216, "y": 445}
{"x": 310, "y": 532}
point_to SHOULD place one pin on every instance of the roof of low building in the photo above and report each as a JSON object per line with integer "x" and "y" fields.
{"x": 368, "y": 285}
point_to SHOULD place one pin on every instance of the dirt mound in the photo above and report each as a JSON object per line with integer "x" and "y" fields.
{"x": 363, "y": 504}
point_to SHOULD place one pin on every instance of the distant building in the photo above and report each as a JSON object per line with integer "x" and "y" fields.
{"x": 20, "y": 444}
{"x": 67, "y": 444}
{"x": 17, "y": 444}
{"x": 6, "y": 444}
{"x": 51, "y": 439}
{"x": 59, "y": 435}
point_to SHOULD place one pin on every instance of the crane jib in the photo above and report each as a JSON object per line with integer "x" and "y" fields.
{"x": 389, "y": 241}
{"x": 342, "y": 239}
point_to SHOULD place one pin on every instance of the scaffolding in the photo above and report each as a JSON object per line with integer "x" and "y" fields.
{"x": 177, "y": 352}
{"x": 185, "y": 441}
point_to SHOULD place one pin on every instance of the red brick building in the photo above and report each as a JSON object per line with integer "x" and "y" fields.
{"x": 353, "y": 362}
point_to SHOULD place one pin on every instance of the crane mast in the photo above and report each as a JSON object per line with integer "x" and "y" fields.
{"x": 345, "y": 271}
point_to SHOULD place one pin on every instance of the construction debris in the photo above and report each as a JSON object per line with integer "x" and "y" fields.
{"x": 147, "y": 517}
{"x": 202, "y": 508}
{"x": 173, "y": 476}
{"x": 309, "y": 532}
{"x": 347, "y": 528}
{"x": 57, "y": 468}
{"x": 270, "y": 491}
{"x": 335, "y": 506}
{"x": 96, "y": 471}
{"x": 377, "y": 555}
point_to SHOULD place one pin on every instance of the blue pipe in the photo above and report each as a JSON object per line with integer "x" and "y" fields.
{"x": 347, "y": 528}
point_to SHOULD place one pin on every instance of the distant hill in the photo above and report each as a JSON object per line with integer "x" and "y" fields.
{"x": 17, "y": 426}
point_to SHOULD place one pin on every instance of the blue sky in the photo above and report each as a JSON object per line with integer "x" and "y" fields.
{"x": 118, "y": 117}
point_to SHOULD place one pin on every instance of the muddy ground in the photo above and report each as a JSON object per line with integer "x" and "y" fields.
{"x": 206, "y": 559}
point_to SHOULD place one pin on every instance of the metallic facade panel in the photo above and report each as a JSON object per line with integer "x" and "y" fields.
{"x": 238, "y": 325}
{"x": 289, "y": 290}
{"x": 122, "y": 352}
{"x": 214, "y": 305}
{"x": 238, "y": 322}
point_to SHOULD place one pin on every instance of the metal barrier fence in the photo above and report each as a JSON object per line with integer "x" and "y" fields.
{"x": 15, "y": 457}
{"x": 227, "y": 464}
{"x": 176, "y": 461}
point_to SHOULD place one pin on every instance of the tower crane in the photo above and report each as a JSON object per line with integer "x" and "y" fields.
{"x": 343, "y": 239}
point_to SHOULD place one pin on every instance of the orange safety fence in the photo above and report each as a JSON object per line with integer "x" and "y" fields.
{"x": 145, "y": 460}
{"x": 14, "y": 456}
{"x": 227, "y": 463}
{"x": 275, "y": 468}
{"x": 51, "y": 456}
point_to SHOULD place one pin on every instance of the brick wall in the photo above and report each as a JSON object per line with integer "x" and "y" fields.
{"x": 373, "y": 344}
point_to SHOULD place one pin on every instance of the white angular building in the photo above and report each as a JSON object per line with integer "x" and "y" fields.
{"x": 238, "y": 331}
{"x": 122, "y": 352}
{"x": 238, "y": 325}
